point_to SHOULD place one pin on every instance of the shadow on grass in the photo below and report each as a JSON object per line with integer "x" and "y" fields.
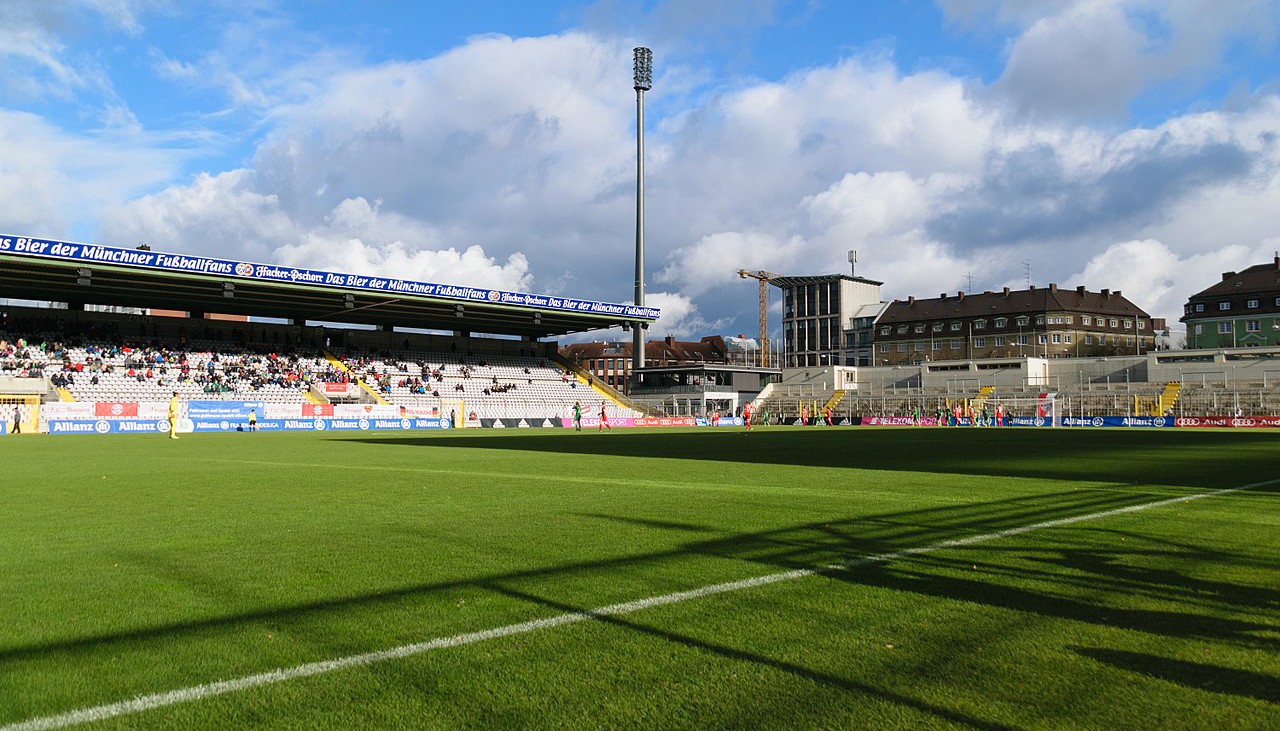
{"x": 1212, "y": 678}
{"x": 1053, "y": 577}
{"x": 1191, "y": 458}
{"x": 740, "y": 655}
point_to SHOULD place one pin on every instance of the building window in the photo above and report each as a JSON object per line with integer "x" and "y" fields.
{"x": 955, "y": 327}
{"x": 902, "y": 347}
{"x": 1253, "y": 326}
{"x": 1200, "y": 307}
{"x": 1128, "y": 341}
{"x": 1252, "y": 304}
{"x": 884, "y": 347}
{"x": 1023, "y": 339}
{"x": 1128, "y": 324}
{"x": 937, "y": 327}
{"x": 885, "y": 330}
{"x": 919, "y": 347}
{"x": 1023, "y": 321}
{"x": 979, "y": 342}
{"x": 1113, "y": 322}
{"x": 979, "y": 324}
{"x": 957, "y": 344}
{"x": 1039, "y": 319}
{"x": 937, "y": 345}
{"x": 1004, "y": 321}
{"x": 1057, "y": 339}
{"x": 1224, "y": 305}
{"x": 1040, "y": 339}
{"x": 902, "y": 329}
{"x": 1070, "y": 319}
{"x": 1088, "y": 340}
{"x": 1066, "y": 338}
{"x": 919, "y": 328}
{"x": 1224, "y": 327}
{"x": 1086, "y": 320}
{"x": 1142, "y": 324}
{"x": 999, "y": 340}
{"x": 1199, "y": 329}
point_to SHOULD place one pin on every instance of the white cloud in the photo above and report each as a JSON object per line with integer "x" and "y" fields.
{"x": 1094, "y": 57}
{"x": 52, "y": 181}
{"x": 1159, "y": 280}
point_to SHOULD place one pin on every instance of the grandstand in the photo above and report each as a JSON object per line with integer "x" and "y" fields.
{"x": 287, "y": 361}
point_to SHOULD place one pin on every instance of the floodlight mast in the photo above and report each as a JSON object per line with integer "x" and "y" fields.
{"x": 643, "y": 78}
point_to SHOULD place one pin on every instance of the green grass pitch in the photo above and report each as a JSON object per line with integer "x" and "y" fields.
{"x": 133, "y": 565}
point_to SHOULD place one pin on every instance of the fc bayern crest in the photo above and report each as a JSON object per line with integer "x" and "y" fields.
{"x": 244, "y": 269}
{"x": 494, "y": 296}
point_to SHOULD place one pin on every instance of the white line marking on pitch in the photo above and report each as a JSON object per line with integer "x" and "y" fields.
{"x": 208, "y": 690}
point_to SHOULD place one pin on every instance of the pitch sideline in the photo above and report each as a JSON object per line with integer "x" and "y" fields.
{"x": 209, "y": 690}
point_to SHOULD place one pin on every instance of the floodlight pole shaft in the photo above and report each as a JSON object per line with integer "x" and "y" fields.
{"x": 637, "y": 346}
{"x": 643, "y": 78}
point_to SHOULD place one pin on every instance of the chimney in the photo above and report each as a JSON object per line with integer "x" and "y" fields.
{"x": 1278, "y": 262}
{"x": 942, "y": 296}
{"x": 1031, "y": 288}
{"x": 960, "y": 294}
{"x": 670, "y": 340}
{"x": 1006, "y": 292}
{"x": 1116, "y": 293}
{"x": 1106, "y": 293}
{"x": 1080, "y": 290}
{"x": 1227, "y": 275}
{"x": 1053, "y": 286}
{"x": 911, "y": 299}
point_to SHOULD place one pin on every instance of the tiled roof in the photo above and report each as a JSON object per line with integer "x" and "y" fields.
{"x": 1011, "y": 302}
{"x": 1255, "y": 279}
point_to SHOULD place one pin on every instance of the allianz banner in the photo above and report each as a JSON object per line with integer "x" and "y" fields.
{"x": 1113, "y": 421}
{"x": 108, "y": 426}
{"x": 161, "y": 426}
{"x": 318, "y": 424}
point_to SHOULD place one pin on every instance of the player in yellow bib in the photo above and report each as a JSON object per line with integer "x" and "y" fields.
{"x": 173, "y": 416}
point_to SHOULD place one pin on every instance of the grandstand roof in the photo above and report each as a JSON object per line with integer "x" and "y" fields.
{"x": 48, "y": 270}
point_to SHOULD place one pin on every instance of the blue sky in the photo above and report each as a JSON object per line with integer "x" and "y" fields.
{"x": 1127, "y": 144}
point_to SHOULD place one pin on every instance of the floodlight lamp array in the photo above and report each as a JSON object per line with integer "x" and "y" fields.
{"x": 643, "y": 69}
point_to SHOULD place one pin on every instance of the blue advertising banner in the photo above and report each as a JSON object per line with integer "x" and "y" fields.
{"x": 223, "y": 409}
{"x": 321, "y": 424}
{"x": 161, "y": 426}
{"x": 108, "y": 426}
{"x": 724, "y": 421}
{"x": 95, "y": 254}
{"x": 1133, "y": 421}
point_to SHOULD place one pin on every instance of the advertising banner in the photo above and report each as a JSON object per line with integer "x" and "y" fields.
{"x": 157, "y": 260}
{"x": 898, "y": 421}
{"x": 594, "y": 421}
{"x": 115, "y": 409}
{"x": 1230, "y": 422}
{"x": 218, "y": 410}
{"x": 65, "y": 410}
{"x": 319, "y": 424}
{"x": 1115, "y": 421}
{"x": 108, "y": 426}
{"x": 657, "y": 421}
{"x": 722, "y": 421}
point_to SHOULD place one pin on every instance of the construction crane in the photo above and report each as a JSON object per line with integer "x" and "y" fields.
{"x": 763, "y": 277}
